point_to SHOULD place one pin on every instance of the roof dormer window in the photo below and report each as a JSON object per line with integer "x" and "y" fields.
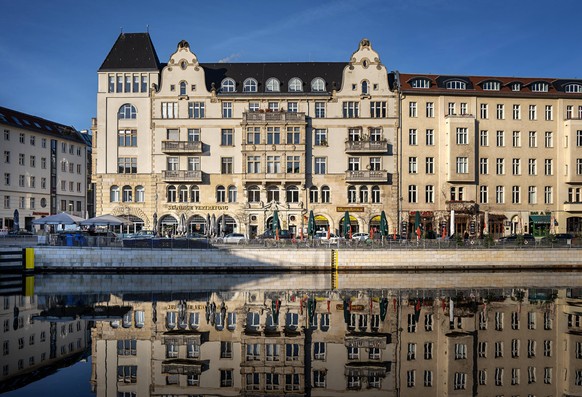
{"x": 491, "y": 86}
{"x": 228, "y": 85}
{"x": 420, "y": 83}
{"x": 250, "y": 85}
{"x": 273, "y": 85}
{"x": 295, "y": 85}
{"x": 573, "y": 87}
{"x": 515, "y": 86}
{"x": 456, "y": 85}
{"x": 540, "y": 86}
{"x": 318, "y": 85}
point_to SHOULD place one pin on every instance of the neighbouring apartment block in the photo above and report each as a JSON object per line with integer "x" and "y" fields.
{"x": 181, "y": 142}
{"x": 44, "y": 169}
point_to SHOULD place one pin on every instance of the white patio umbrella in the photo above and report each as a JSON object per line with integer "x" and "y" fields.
{"x": 105, "y": 220}
{"x": 59, "y": 219}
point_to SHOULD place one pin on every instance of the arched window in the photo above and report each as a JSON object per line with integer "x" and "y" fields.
{"x": 250, "y": 85}
{"x": 171, "y": 194}
{"x": 364, "y": 194}
{"x": 365, "y": 89}
{"x": 273, "y": 85}
{"x": 352, "y": 196}
{"x": 318, "y": 85}
{"x": 183, "y": 194}
{"x": 254, "y": 194}
{"x": 272, "y": 193}
{"x": 573, "y": 87}
{"x": 456, "y": 85}
{"x": 220, "y": 194}
{"x": 540, "y": 86}
{"x": 375, "y": 194}
{"x": 127, "y": 111}
{"x": 195, "y": 194}
{"x": 292, "y": 194}
{"x": 420, "y": 83}
{"x": 232, "y": 194}
{"x": 295, "y": 85}
{"x": 139, "y": 194}
{"x": 228, "y": 85}
{"x": 325, "y": 194}
{"x": 183, "y": 88}
{"x": 114, "y": 194}
{"x": 313, "y": 194}
{"x": 127, "y": 194}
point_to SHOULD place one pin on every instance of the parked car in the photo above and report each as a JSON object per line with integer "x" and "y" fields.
{"x": 283, "y": 234}
{"x": 322, "y": 235}
{"x": 360, "y": 236}
{"x": 21, "y": 232}
{"x": 559, "y": 239}
{"x": 233, "y": 238}
{"x": 524, "y": 239}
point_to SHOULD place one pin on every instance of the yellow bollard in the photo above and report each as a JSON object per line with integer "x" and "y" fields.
{"x": 28, "y": 259}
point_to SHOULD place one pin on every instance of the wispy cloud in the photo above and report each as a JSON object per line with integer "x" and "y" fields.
{"x": 229, "y": 58}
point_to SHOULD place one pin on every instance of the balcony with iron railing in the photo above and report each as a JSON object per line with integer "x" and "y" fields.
{"x": 367, "y": 146}
{"x": 270, "y": 117}
{"x": 376, "y": 176}
{"x": 182, "y": 176}
{"x": 181, "y": 147}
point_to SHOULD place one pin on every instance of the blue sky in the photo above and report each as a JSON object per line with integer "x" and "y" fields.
{"x": 50, "y": 51}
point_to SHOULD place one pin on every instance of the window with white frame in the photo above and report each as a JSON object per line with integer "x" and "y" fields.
{"x": 500, "y": 112}
{"x": 532, "y": 166}
{"x": 169, "y": 110}
{"x": 548, "y": 139}
{"x": 351, "y": 109}
{"x": 483, "y": 138}
{"x": 547, "y": 348}
{"x": 482, "y": 349}
{"x": 378, "y": 109}
{"x": 412, "y": 165}
{"x": 412, "y": 195}
{"x": 429, "y": 165}
{"x": 319, "y": 110}
{"x": 539, "y": 87}
{"x": 531, "y": 375}
{"x": 548, "y": 195}
{"x": 549, "y": 113}
{"x": 514, "y": 348}
{"x": 532, "y": 112}
{"x": 412, "y": 109}
{"x": 451, "y": 109}
{"x": 429, "y": 137}
{"x": 500, "y": 138}
{"x": 427, "y": 378}
{"x": 515, "y": 195}
{"x": 455, "y": 85}
{"x": 250, "y": 85}
{"x": 428, "y": 350}
{"x": 196, "y": 110}
{"x": 411, "y": 355}
{"x": 484, "y": 111}
{"x": 410, "y": 378}
{"x": 531, "y": 348}
{"x": 516, "y": 113}
{"x": 516, "y": 166}
{"x": 516, "y": 139}
{"x": 460, "y": 382}
{"x": 484, "y": 166}
{"x": 460, "y": 351}
{"x": 228, "y": 85}
{"x": 483, "y": 194}
{"x": 498, "y": 376}
{"x": 482, "y": 377}
{"x": 462, "y": 136}
{"x": 412, "y": 137}
{"x": 462, "y": 165}
{"x": 430, "y": 109}
{"x": 429, "y": 194}
{"x": 318, "y": 85}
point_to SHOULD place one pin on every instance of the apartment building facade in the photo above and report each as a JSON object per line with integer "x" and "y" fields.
{"x": 493, "y": 155}
{"x": 178, "y": 144}
{"x": 44, "y": 169}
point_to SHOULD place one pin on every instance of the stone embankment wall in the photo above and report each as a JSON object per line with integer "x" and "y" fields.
{"x": 245, "y": 259}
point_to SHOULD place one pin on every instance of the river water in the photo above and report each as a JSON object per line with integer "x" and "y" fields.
{"x": 299, "y": 334}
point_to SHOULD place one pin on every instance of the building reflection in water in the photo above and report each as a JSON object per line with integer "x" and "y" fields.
{"x": 323, "y": 343}
{"x": 319, "y": 342}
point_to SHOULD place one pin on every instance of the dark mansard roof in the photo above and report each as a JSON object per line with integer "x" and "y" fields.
{"x": 132, "y": 51}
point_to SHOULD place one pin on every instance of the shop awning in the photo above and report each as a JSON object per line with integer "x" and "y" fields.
{"x": 540, "y": 219}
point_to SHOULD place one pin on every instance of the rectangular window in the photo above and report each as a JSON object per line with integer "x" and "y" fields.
{"x": 253, "y": 107}
{"x": 351, "y": 110}
{"x": 548, "y": 139}
{"x": 500, "y": 112}
{"x": 430, "y": 109}
{"x": 548, "y": 195}
{"x": 533, "y": 112}
{"x": 460, "y": 381}
{"x": 378, "y": 109}
{"x": 430, "y": 137}
{"x": 531, "y": 348}
{"x": 412, "y": 137}
{"x": 517, "y": 112}
{"x": 226, "y": 137}
{"x": 500, "y": 166}
{"x": 412, "y": 165}
{"x": 547, "y": 348}
{"x": 515, "y": 195}
{"x": 293, "y": 135}
{"x": 462, "y": 165}
{"x": 319, "y": 110}
{"x": 483, "y": 195}
{"x": 429, "y": 166}
{"x": 532, "y": 139}
{"x": 273, "y": 135}
{"x": 463, "y": 108}
{"x": 293, "y": 164}
{"x": 320, "y": 165}
{"x": 427, "y": 378}
{"x": 516, "y": 139}
{"x": 451, "y": 109}
{"x": 169, "y": 110}
{"x": 127, "y": 165}
{"x": 292, "y": 107}
{"x": 273, "y": 164}
{"x": 462, "y": 136}
{"x": 127, "y": 137}
{"x": 320, "y": 137}
{"x": 428, "y": 349}
{"x": 411, "y": 355}
{"x": 460, "y": 351}
{"x": 484, "y": 111}
{"x": 500, "y": 138}
{"x": 482, "y": 349}
{"x": 412, "y": 109}
{"x": 226, "y": 110}
{"x": 532, "y": 167}
{"x": 196, "y": 110}
{"x": 516, "y": 166}
{"x": 484, "y": 166}
{"x": 549, "y": 114}
{"x": 226, "y": 165}
{"x": 412, "y": 194}
{"x": 484, "y": 138}
{"x": 254, "y": 135}
{"x": 531, "y": 375}
{"x": 410, "y": 378}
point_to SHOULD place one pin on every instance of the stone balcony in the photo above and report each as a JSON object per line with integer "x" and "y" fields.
{"x": 178, "y": 147}
{"x": 272, "y": 117}
{"x": 573, "y": 206}
{"x": 367, "y": 146}
{"x": 182, "y": 176}
{"x": 379, "y": 176}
